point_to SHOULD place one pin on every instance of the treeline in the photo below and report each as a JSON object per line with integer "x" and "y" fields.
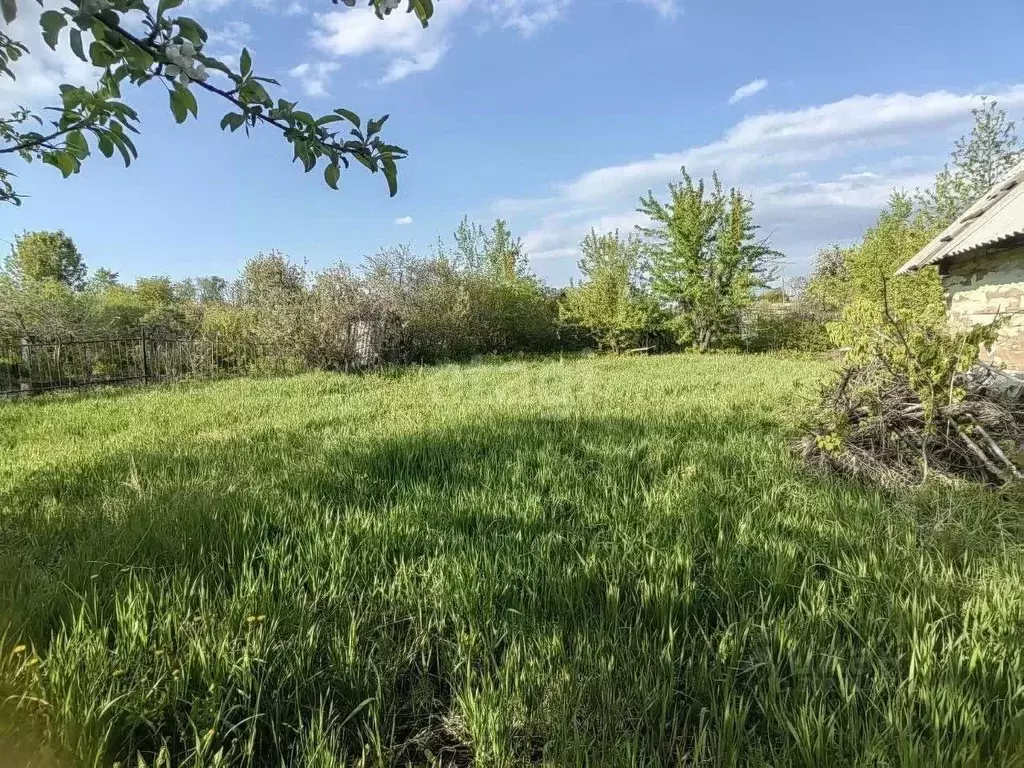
{"x": 697, "y": 276}
{"x": 473, "y": 296}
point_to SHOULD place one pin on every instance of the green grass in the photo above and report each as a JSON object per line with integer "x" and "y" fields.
{"x": 602, "y": 562}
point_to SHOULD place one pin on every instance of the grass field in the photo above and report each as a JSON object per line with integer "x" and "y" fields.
{"x": 598, "y": 562}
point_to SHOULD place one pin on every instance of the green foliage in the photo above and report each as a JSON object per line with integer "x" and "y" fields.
{"x": 102, "y": 279}
{"x": 853, "y": 280}
{"x": 915, "y": 348}
{"x": 46, "y": 256}
{"x": 829, "y": 285}
{"x": 705, "y": 260}
{"x": 867, "y": 278}
{"x": 611, "y": 302}
{"x": 211, "y": 288}
{"x": 795, "y": 326}
{"x": 39, "y": 309}
{"x": 609, "y": 562}
{"x": 977, "y": 162}
{"x": 134, "y": 44}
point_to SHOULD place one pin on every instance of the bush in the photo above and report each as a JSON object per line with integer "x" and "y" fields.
{"x": 795, "y": 326}
{"x": 906, "y": 407}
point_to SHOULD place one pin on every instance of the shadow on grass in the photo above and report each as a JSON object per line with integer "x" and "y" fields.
{"x": 599, "y": 589}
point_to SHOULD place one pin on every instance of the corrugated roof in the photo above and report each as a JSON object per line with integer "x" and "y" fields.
{"x": 996, "y": 217}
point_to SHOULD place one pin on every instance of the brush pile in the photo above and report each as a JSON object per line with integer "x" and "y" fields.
{"x": 873, "y": 425}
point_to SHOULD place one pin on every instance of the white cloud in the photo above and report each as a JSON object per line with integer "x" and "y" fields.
{"x": 403, "y": 220}
{"x": 754, "y": 86}
{"x": 207, "y": 5}
{"x": 424, "y": 61}
{"x": 400, "y": 37}
{"x": 228, "y": 41}
{"x": 408, "y": 48}
{"x": 816, "y": 174}
{"x": 668, "y": 9}
{"x": 267, "y": 6}
{"x": 527, "y": 16}
{"x": 40, "y": 73}
{"x": 314, "y": 76}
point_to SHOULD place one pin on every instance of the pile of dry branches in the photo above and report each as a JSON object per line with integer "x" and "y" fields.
{"x": 872, "y": 425}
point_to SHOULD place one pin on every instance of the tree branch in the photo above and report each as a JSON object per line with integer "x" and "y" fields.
{"x": 42, "y": 140}
{"x": 157, "y": 54}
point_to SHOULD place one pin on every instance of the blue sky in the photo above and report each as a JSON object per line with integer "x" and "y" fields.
{"x": 555, "y": 115}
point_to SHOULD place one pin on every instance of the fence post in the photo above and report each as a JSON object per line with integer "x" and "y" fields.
{"x": 145, "y": 359}
{"x": 26, "y": 360}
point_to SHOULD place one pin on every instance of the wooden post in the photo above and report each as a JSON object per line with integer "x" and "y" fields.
{"x": 26, "y": 361}
{"x": 145, "y": 359}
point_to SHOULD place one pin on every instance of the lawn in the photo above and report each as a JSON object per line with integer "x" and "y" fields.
{"x": 603, "y": 561}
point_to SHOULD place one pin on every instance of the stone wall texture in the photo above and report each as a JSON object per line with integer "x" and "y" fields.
{"x": 980, "y": 288}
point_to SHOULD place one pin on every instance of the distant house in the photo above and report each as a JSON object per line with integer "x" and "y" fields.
{"x": 981, "y": 261}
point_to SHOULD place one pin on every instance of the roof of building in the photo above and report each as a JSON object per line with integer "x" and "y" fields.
{"x": 996, "y": 217}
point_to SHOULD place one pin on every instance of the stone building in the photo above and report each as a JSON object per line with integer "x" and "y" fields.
{"x": 980, "y": 258}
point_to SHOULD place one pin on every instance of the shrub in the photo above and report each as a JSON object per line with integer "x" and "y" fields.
{"x": 905, "y": 407}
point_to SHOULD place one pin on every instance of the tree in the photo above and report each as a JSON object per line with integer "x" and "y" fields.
{"x": 872, "y": 289}
{"x": 155, "y": 292}
{"x": 211, "y": 289}
{"x": 829, "y": 284}
{"x": 131, "y": 43}
{"x": 40, "y": 256}
{"x": 503, "y": 254}
{"x": 609, "y": 302}
{"x": 705, "y": 260}
{"x": 979, "y": 159}
{"x": 39, "y": 310}
{"x": 102, "y": 279}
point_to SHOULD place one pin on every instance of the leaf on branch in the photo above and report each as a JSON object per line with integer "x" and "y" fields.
{"x": 76, "y": 44}
{"x": 331, "y": 175}
{"x": 167, "y": 5}
{"x": 52, "y": 23}
{"x": 9, "y": 8}
{"x": 366, "y": 161}
{"x": 105, "y": 144}
{"x": 101, "y": 55}
{"x": 180, "y": 106}
{"x": 390, "y": 173}
{"x": 191, "y": 29}
{"x": 245, "y": 62}
{"x": 373, "y": 127}
{"x": 63, "y": 161}
{"x": 349, "y": 115}
{"x": 424, "y": 9}
{"x": 232, "y": 120}
{"x": 76, "y": 144}
{"x": 124, "y": 146}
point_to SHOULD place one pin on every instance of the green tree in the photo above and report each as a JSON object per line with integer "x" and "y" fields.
{"x": 979, "y": 159}
{"x": 103, "y": 279}
{"x": 609, "y": 302}
{"x": 275, "y": 290}
{"x": 131, "y": 43}
{"x": 503, "y": 254}
{"x": 155, "y": 292}
{"x": 829, "y": 285}
{"x": 870, "y": 281}
{"x": 211, "y": 289}
{"x": 706, "y": 261}
{"x": 39, "y": 310}
{"x": 39, "y": 256}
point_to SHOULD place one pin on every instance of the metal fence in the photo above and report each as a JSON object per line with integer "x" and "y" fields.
{"x": 28, "y": 367}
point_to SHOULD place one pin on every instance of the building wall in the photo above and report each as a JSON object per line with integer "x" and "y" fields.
{"x": 980, "y": 288}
